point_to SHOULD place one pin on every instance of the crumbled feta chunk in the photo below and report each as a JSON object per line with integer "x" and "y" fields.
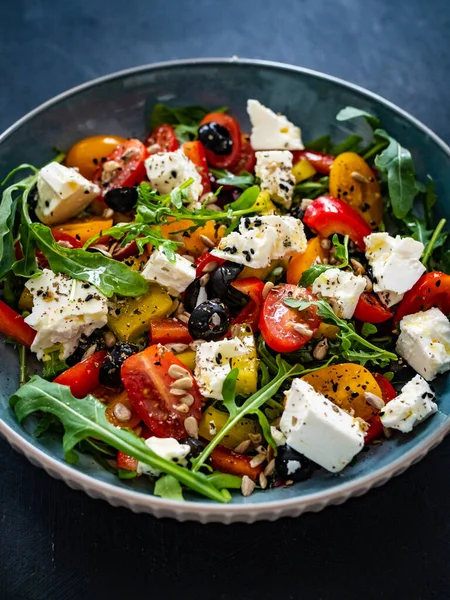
{"x": 424, "y": 342}
{"x": 412, "y": 406}
{"x": 63, "y": 310}
{"x": 168, "y": 170}
{"x": 62, "y": 193}
{"x": 395, "y": 264}
{"x": 271, "y": 131}
{"x": 168, "y": 448}
{"x": 213, "y": 362}
{"x": 319, "y": 429}
{"x": 274, "y": 168}
{"x": 260, "y": 240}
{"x": 175, "y": 276}
{"x": 342, "y": 288}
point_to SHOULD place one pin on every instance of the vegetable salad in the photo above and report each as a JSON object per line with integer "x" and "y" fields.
{"x": 220, "y": 309}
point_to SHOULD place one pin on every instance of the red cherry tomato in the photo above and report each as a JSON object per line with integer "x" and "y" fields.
{"x": 82, "y": 379}
{"x": 127, "y": 462}
{"x": 432, "y": 289}
{"x": 328, "y": 215}
{"x": 162, "y": 139}
{"x": 321, "y": 162}
{"x": 253, "y": 288}
{"x": 370, "y": 310}
{"x": 196, "y": 153}
{"x": 148, "y": 384}
{"x": 128, "y": 250}
{"x": 169, "y": 331}
{"x": 228, "y": 461}
{"x": 225, "y": 161}
{"x": 388, "y": 393}
{"x": 13, "y": 325}
{"x": 247, "y": 161}
{"x": 277, "y": 322}
{"x": 131, "y": 170}
{"x": 205, "y": 259}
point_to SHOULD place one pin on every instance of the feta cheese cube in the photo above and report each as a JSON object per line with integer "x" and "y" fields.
{"x": 342, "y": 288}
{"x": 395, "y": 264}
{"x": 213, "y": 362}
{"x": 290, "y": 233}
{"x": 63, "y": 310}
{"x": 62, "y": 193}
{"x": 174, "y": 276}
{"x": 168, "y": 448}
{"x": 274, "y": 168}
{"x": 424, "y": 342}
{"x": 319, "y": 429}
{"x": 168, "y": 170}
{"x": 271, "y": 131}
{"x": 412, "y": 406}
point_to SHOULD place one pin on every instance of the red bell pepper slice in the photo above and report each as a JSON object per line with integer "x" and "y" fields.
{"x": 388, "y": 393}
{"x": 228, "y": 461}
{"x": 253, "y": 288}
{"x": 13, "y": 325}
{"x": 169, "y": 331}
{"x": 328, "y": 215}
{"x": 205, "y": 259}
{"x": 195, "y": 151}
{"x": 432, "y": 289}
{"x": 370, "y": 310}
{"x": 82, "y": 379}
{"x": 321, "y": 162}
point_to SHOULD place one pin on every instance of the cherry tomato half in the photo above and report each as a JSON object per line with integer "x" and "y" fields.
{"x": 87, "y": 154}
{"x": 130, "y": 170}
{"x": 432, "y": 289}
{"x": 225, "y": 161}
{"x": 388, "y": 393}
{"x": 370, "y": 310}
{"x": 253, "y": 288}
{"x": 247, "y": 160}
{"x": 148, "y": 384}
{"x": 13, "y": 325}
{"x": 162, "y": 139}
{"x": 278, "y": 321}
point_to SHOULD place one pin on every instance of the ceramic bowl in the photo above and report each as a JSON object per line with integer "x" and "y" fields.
{"x": 120, "y": 104}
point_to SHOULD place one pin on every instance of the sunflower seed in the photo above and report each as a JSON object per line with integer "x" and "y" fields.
{"x": 262, "y": 481}
{"x": 180, "y": 307}
{"x": 185, "y": 383}
{"x": 204, "y": 279}
{"x": 270, "y": 469}
{"x": 357, "y": 267}
{"x": 210, "y": 267}
{"x": 207, "y": 241}
{"x": 215, "y": 207}
{"x": 182, "y": 408}
{"x": 305, "y": 203}
{"x": 374, "y": 400}
{"x": 359, "y": 177}
{"x": 107, "y": 213}
{"x": 183, "y": 317}
{"x": 110, "y": 339}
{"x": 243, "y": 447}
{"x": 121, "y": 412}
{"x": 255, "y": 438}
{"x": 387, "y": 432}
{"x": 268, "y": 286}
{"x": 257, "y": 460}
{"x": 303, "y": 329}
{"x": 321, "y": 349}
{"x": 261, "y": 450}
{"x": 369, "y": 284}
{"x": 188, "y": 257}
{"x": 176, "y": 348}
{"x": 187, "y": 399}
{"x": 178, "y": 372}
{"x": 325, "y": 244}
{"x": 89, "y": 352}
{"x": 247, "y": 486}
{"x": 191, "y": 426}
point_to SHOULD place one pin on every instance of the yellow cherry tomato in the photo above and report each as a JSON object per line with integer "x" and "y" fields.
{"x": 87, "y": 154}
{"x": 352, "y": 180}
{"x": 302, "y": 261}
{"x": 345, "y": 385}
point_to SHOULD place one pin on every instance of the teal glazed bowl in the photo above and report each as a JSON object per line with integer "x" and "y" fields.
{"x": 120, "y": 104}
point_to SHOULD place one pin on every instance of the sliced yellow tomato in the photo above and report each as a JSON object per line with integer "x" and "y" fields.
{"x": 85, "y": 228}
{"x": 302, "y": 261}
{"x": 352, "y": 180}
{"x": 192, "y": 240}
{"x": 345, "y": 385}
{"x": 213, "y": 420}
{"x": 111, "y": 398}
{"x": 87, "y": 154}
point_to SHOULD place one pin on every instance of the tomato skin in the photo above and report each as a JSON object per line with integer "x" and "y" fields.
{"x": 162, "y": 139}
{"x": 132, "y": 169}
{"x": 195, "y": 151}
{"x": 321, "y": 162}
{"x": 225, "y": 161}
{"x": 127, "y": 462}
{"x": 13, "y": 325}
{"x": 247, "y": 160}
{"x": 87, "y": 154}
{"x": 205, "y": 259}
{"x": 147, "y": 381}
{"x": 253, "y": 288}
{"x": 82, "y": 378}
{"x": 327, "y": 215}
{"x": 276, "y": 319}
{"x": 228, "y": 461}
{"x": 370, "y": 310}
{"x": 432, "y": 289}
{"x": 169, "y": 331}
{"x": 388, "y": 393}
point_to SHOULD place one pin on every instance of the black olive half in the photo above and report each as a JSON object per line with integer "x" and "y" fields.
{"x": 196, "y": 446}
{"x": 191, "y": 295}
{"x": 293, "y": 466}
{"x": 121, "y": 199}
{"x": 209, "y": 321}
{"x": 96, "y": 339}
{"x": 216, "y": 138}
{"x": 219, "y": 286}
{"x": 110, "y": 370}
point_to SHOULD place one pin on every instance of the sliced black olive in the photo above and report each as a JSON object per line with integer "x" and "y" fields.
{"x": 32, "y": 202}
{"x": 219, "y": 286}
{"x": 110, "y": 370}
{"x": 216, "y": 138}
{"x": 196, "y": 446}
{"x": 191, "y": 295}
{"x": 96, "y": 339}
{"x": 293, "y": 466}
{"x": 209, "y": 321}
{"x": 121, "y": 199}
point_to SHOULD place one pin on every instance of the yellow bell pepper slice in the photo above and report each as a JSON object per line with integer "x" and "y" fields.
{"x": 302, "y": 170}
{"x": 264, "y": 204}
{"x": 247, "y": 380}
{"x": 187, "y": 358}
{"x": 213, "y": 420}
{"x": 26, "y": 300}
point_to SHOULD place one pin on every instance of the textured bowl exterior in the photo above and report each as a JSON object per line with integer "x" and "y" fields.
{"x": 120, "y": 104}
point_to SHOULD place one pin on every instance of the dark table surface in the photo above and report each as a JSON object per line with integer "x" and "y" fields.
{"x": 56, "y": 543}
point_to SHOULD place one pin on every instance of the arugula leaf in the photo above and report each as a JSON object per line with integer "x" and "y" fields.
{"x": 321, "y": 144}
{"x": 354, "y": 348}
{"x": 246, "y": 200}
{"x": 429, "y": 201}
{"x": 168, "y": 487}
{"x": 86, "y": 418}
{"x": 313, "y": 189}
{"x": 224, "y": 480}
{"x": 107, "y": 275}
{"x": 229, "y": 390}
{"x": 350, "y": 112}
{"x": 368, "y": 329}
{"x": 351, "y": 144}
{"x": 311, "y": 274}
{"x": 397, "y": 164}
{"x": 225, "y": 177}
{"x": 436, "y": 240}
{"x": 53, "y": 365}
